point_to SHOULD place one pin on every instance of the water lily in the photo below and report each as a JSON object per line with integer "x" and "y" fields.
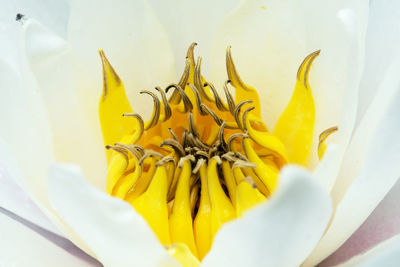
{"x": 323, "y": 123}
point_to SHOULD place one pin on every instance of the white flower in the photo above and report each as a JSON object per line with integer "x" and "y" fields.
{"x": 50, "y": 84}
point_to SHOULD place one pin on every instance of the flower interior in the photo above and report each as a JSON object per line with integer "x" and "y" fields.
{"x": 201, "y": 160}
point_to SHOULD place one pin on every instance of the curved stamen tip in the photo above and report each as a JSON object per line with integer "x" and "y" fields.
{"x": 190, "y": 158}
{"x": 304, "y": 69}
{"x": 217, "y": 159}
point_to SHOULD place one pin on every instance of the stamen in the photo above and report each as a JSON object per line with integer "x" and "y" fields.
{"x": 191, "y": 158}
{"x": 176, "y": 97}
{"x": 192, "y": 128}
{"x": 175, "y": 145}
{"x": 243, "y": 164}
{"x": 165, "y": 160}
{"x": 212, "y": 114}
{"x": 199, "y": 163}
{"x": 167, "y": 108}
{"x": 150, "y": 153}
{"x": 119, "y": 150}
{"x": 190, "y": 52}
{"x": 173, "y": 134}
{"x": 140, "y": 120}
{"x": 232, "y": 72}
{"x": 131, "y": 149}
{"x": 303, "y": 76}
{"x": 198, "y": 83}
{"x": 237, "y": 112}
{"x": 233, "y": 137}
{"x": 322, "y": 138}
{"x": 218, "y": 101}
{"x": 229, "y": 98}
{"x": 221, "y": 136}
{"x": 244, "y": 118}
{"x": 198, "y": 99}
{"x": 156, "y": 113}
{"x": 186, "y": 101}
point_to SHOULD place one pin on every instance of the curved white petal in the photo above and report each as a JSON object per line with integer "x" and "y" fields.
{"x": 281, "y": 232}
{"x": 271, "y": 38}
{"x": 70, "y": 98}
{"x": 21, "y": 246}
{"x": 188, "y": 21}
{"x": 112, "y": 229}
{"x": 133, "y": 40}
{"x": 385, "y": 254}
{"x": 328, "y": 167}
{"x": 372, "y": 159}
{"x": 382, "y": 47}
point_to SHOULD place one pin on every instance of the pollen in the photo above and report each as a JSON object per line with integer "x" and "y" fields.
{"x": 204, "y": 157}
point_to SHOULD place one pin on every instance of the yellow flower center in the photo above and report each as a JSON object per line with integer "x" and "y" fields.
{"x": 199, "y": 161}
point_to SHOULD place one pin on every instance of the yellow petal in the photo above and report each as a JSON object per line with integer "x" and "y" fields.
{"x": 222, "y": 209}
{"x": 113, "y": 103}
{"x": 243, "y": 91}
{"x": 182, "y": 253}
{"x": 152, "y": 205}
{"x": 296, "y": 124}
{"x": 180, "y": 221}
{"x": 202, "y": 223}
{"x": 247, "y": 196}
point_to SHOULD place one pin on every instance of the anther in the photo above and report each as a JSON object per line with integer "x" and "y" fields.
{"x": 244, "y": 118}
{"x": 186, "y": 101}
{"x": 119, "y": 150}
{"x": 167, "y": 108}
{"x": 212, "y": 114}
{"x": 140, "y": 120}
{"x": 229, "y": 98}
{"x": 233, "y": 137}
{"x": 150, "y": 153}
{"x": 175, "y": 145}
{"x": 199, "y": 163}
{"x": 173, "y": 134}
{"x": 221, "y": 136}
{"x": 197, "y": 81}
{"x": 198, "y": 99}
{"x": 156, "y": 114}
{"x": 218, "y": 101}
{"x": 191, "y": 158}
{"x": 165, "y": 160}
{"x": 130, "y": 149}
{"x": 192, "y": 127}
{"x": 237, "y": 112}
{"x": 243, "y": 164}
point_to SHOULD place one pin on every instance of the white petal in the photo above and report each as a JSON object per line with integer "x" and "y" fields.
{"x": 382, "y": 224}
{"x": 192, "y": 21}
{"x": 25, "y": 138}
{"x": 133, "y": 40}
{"x": 70, "y": 98}
{"x": 281, "y": 232}
{"x": 21, "y": 246}
{"x": 372, "y": 159}
{"x": 385, "y": 254}
{"x": 17, "y": 201}
{"x": 54, "y": 14}
{"x": 382, "y": 42}
{"x": 113, "y": 230}
{"x": 271, "y": 38}
{"x": 328, "y": 167}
